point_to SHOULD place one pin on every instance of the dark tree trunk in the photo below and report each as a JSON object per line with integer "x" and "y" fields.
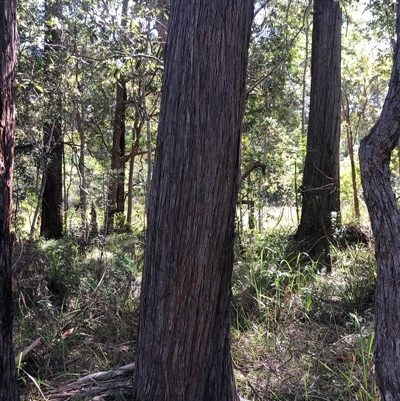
{"x": 51, "y": 220}
{"x": 320, "y": 187}
{"x": 136, "y": 134}
{"x": 375, "y": 153}
{"x": 8, "y": 374}
{"x": 82, "y": 174}
{"x": 116, "y": 198}
{"x": 116, "y": 193}
{"x": 183, "y": 350}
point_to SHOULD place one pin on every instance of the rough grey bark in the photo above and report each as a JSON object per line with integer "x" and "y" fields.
{"x": 320, "y": 185}
{"x": 375, "y": 153}
{"x": 183, "y": 350}
{"x": 8, "y": 374}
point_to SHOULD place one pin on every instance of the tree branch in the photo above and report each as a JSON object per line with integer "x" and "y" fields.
{"x": 256, "y": 164}
{"x": 22, "y": 355}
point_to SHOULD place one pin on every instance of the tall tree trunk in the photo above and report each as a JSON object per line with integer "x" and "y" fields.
{"x": 183, "y": 350}
{"x": 320, "y": 187}
{"x": 80, "y": 165}
{"x": 51, "y": 221}
{"x": 82, "y": 174}
{"x": 136, "y": 134}
{"x": 116, "y": 194}
{"x": 116, "y": 198}
{"x": 375, "y": 154}
{"x": 303, "y": 94}
{"x": 162, "y": 21}
{"x": 350, "y": 147}
{"x": 8, "y": 16}
{"x": 40, "y": 192}
{"x": 147, "y": 120}
{"x": 129, "y": 208}
{"x": 305, "y": 69}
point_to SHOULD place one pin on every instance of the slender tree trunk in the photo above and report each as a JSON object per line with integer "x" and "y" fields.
{"x": 80, "y": 166}
{"x": 129, "y": 208}
{"x": 350, "y": 147}
{"x": 375, "y": 154}
{"x": 94, "y": 229}
{"x": 40, "y": 192}
{"x": 8, "y": 374}
{"x": 82, "y": 176}
{"x": 320, "y": 187}
{"x": 183, "y": 350}
{"x": 162, "y": 21}
{"x": 398, "y": 158}
{"x": 136, "y": 134}
{"x": 146, "y": 119}
{"x": 116, "y": 192}
{"x": 51, "y": 221}
{"x": 115, "y": 203}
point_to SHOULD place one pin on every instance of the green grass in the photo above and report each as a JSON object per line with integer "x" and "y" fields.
{"x": 302, "y": 335}
{"x": 84, "y": 308}
{"x": 297, "y": 333}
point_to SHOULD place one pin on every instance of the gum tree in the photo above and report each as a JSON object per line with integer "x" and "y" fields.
{"x": 8, "y": 376}
{"x": 183, "y": 350}
{"x": 51, "y": 220}
{"x": 375, "y": 154}
{"x": 320, "y": 186}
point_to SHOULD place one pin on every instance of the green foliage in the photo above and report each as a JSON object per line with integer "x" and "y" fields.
{"x": 62, "y": 258}
{"x": 298, "y": 334}
{"x": 271, "y": 127}
{"x": 365, "y": 75}
{"x": 84, "y": 308}
{"x": 346, "y": 192}
{"x": 383, "y": 23}
{"x": 98, "y": 48}
{"x": 316, "y": 330}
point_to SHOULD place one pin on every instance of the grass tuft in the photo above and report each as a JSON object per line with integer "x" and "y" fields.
{"x": 301, "y": 334}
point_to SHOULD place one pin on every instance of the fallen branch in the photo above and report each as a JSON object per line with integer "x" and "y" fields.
{"x": 90, "y": 383}
{"x": 106, "y": 375}
{"x": 22, "y": 355}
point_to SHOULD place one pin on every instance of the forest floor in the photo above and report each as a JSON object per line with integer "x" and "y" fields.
{"x": 298, "y": 333}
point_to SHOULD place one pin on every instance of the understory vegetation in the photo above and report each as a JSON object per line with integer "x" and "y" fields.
{"x": 298, "y": 333}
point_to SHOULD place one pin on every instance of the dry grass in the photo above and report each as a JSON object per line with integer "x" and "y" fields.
{"x": 297, "y": 334}
{"x": 316, "y": 341}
